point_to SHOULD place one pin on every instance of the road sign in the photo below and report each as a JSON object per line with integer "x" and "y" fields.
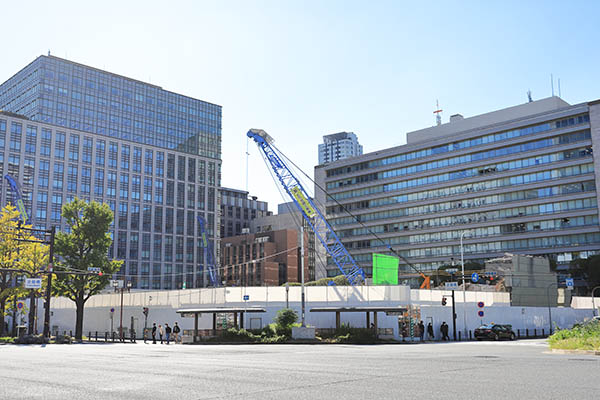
{"x": 451, "y": 285}
{"x": 246, "y": 297}
{"x": 475, "y": 277}
{"x": 20, "y": 305}
{"x": 569, "y": 282}
{"x": 451, "y": 270}
{"x": 491, "y": 273}
{"x": 480, "y": 304}
{"x": 393, "y": 313}
{"x": 33, "y": 283}
{"x": 93, "y": 269}
{"x": 480, "y": 313}
{"x": 112, "y": 310}
{"x": 119, "y": 284}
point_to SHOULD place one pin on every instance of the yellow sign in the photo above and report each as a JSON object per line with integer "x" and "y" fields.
{"x": 302, "y": 200}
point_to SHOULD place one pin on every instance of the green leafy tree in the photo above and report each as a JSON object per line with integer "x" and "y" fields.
{"x": 587, "y": 269}
{"x": 85, "y": 245}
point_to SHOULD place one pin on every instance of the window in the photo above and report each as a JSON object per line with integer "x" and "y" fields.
{"x": 147, "y": 190}
{"x": 191, "y": 170}
{"x": 170, "y": 166}
{"x": 123, "y": 214}
{"x": 86, "y": 180}
{"x": 111, "y": 187}
{"x": 87, "y": 150}
{"x": 158, "y": 191}
{"x": 135, "y": 217}
{"x": 191, "y": 196}
{"x": 100, "y": 152}
{"x": 59, "y": 145}
{"x": 42, "y": 206}
{"x": 125, "y": 157}
{"x": 44, "y": 174}
{"x": 137, "y": 159}
{"x": 181, "y": 168}
{"x": 124, "y": 187}
{"x": 31, "y": 140}
{"x": 46, "y": 142}
{"x": 158, "y": 217}
{"x": 74, "y": 148}
{"x": 134, "y": 244}
{"x": 58, "y": 177}
{"x": 160, "y": 163}
{"x": 179, "y": 225}
{"x": 99, "y": 183}
{"x": 56, "y": 207}
{"x": 201, "y": 171}
{"x": 16, "y": 131}
{"x": 157, "y": 256}
{"x": 112, "y": 155}
{"x": 135, "y": 187}
{"x": 170, "y": 193}
{"x": 146, "y": 240}
{"x": 147, "y": 218}
{"x": 180, "y": 194}
{"x": 148, "y": 162}
{"x": 169, "y": 215}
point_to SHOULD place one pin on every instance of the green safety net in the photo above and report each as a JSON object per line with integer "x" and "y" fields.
{"x": 385, "y": 269}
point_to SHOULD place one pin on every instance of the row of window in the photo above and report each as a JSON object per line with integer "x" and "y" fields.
{"x": 467, "y": 143}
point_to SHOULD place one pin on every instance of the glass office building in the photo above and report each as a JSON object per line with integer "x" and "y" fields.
{"x": 520, "y": 180}
{"x": 154, "y": 156}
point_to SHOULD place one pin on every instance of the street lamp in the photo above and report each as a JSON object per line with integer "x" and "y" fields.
{"x": 122, "y": 289}
{"x": 593, "y": 304}
{"x": 462, "y": 262}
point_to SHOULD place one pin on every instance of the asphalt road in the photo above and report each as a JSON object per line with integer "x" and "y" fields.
{"x": 478, "y": 370}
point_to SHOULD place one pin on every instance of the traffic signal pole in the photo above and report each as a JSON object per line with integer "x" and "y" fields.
{"x": 454, "y": 317}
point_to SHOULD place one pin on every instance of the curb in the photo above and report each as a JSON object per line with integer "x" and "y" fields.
{"x": 563, "y": 351}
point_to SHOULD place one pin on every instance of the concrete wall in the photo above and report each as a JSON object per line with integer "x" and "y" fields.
{"x": 163, "y": 306}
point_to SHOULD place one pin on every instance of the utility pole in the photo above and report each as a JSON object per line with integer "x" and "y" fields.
{"x": 302, "y": 270}
{"x": 454, "y": 317}
{"x": 49, "y": 284}
{"x": 462, "y": 262}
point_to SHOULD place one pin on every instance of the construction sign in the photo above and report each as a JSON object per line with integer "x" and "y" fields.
{"x": 385, "y": 269}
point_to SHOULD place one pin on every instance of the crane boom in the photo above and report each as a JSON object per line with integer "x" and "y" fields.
{"x": 209, "y": 257}
{"x": 342, "y": 258}
{"x": 17, "y": 197}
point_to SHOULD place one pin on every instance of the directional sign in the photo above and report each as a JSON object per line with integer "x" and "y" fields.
{"x": 480, "y": 313}
{"x": 246, "y": 297}
{"x": 475, "y": 277}
{"x": 33, "y": 283}
{"x": 20, "y": 305}
{"x": 451, "y": 270}
{"x": 451, "y": 285}
{"x": 480, "y": 304}
{"x": 93, "y": 269}
{"x": 491, "y": 273}
{"x": 569, "y": 282}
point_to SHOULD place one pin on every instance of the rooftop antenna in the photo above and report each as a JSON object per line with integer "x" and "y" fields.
{"x": 438, "y": 113}
{"x": 559, "y": 87}
{"x": 552, "y": 84}
{"x": 48, "y": 52}
{"x": 529, "y": 96}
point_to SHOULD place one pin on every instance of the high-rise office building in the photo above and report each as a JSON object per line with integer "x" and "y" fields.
{"x": 152, "y": 155}
{"x": 237, "y": 210}
{"x": 520, "y": 180}
{"x": 339, "y": 146}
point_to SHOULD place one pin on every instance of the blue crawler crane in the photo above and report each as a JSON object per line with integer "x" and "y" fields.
{"x": 324, "y": 232}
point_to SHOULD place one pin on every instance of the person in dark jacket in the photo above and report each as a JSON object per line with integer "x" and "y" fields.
{"x": 430, "y": 335}
{"x": 421, "y": 330}
{"x": 154, "y": 333}
{"x": 444, "y": 331}
{"x": 176, "y": 330}
{"x": 168, "y": 332}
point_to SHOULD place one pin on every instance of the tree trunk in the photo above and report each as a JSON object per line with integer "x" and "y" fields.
{"x": 32, "y": 304}
{"x": 2, "y": 305}
{"x": 79, "y": 319}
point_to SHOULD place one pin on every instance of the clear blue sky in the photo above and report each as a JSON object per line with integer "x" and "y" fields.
{"x": 303, "y": 69}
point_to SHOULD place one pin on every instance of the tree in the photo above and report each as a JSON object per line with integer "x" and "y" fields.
{"x": 587, "y": 269}
{"x": 20, "y": 254}
{"x": 85, "y": 245}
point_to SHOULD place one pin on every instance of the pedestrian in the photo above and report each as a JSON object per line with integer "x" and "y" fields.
{"x": 430, "y": 335}
{"x": 168, "y": 332}
{"x": 176, "y": 331}
{"x": 160, "y": 333}
{"x": 421, "y": 330}
{"x": 154, "y": 333}
{"x": 444, "y": 331}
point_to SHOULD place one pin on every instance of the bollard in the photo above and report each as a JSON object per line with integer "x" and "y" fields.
{"x": 470, "y": 335}
{"x": 113, "y": 337}
{"x": 90, "y": 336}
{"x": 96, "y": 336}
{"x": 527, "y": 332}
{"x": 459, "y": 336}
{"x": 518, "y": 333}
{"x": 71, "y": 333}
{"x": 106, "y": 336}
{"x": 534, "y": 332}
{"x": 543, "y": 333}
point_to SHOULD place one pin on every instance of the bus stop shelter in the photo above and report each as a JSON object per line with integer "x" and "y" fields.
{"x": 195, "y": 312}
{"x": 367, "y": 310}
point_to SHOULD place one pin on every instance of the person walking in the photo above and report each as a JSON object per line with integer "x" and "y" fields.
{"x": 444, "y": 331}
{"x": 154, "y": 333}
{"x": 430, "y": 335}
{"x": 421, "y": 330}
{"x": 176, "y": 331}
{"x": 168, "y": 332}
{"x": 160, "y": 333}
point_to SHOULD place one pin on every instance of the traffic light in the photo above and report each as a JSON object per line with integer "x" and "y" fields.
{"x": 443, "y": 301}
{"x": 145, "y": 311}
{"x": 100, "y": 273}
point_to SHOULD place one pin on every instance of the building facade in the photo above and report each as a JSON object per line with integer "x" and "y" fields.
{"x": 237, "y": 210}
{"x": 262, "y": 259}
{"x": 339, "y": 146}
{"x": 142, "y": 150}
{"x": 520, "y": 180}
